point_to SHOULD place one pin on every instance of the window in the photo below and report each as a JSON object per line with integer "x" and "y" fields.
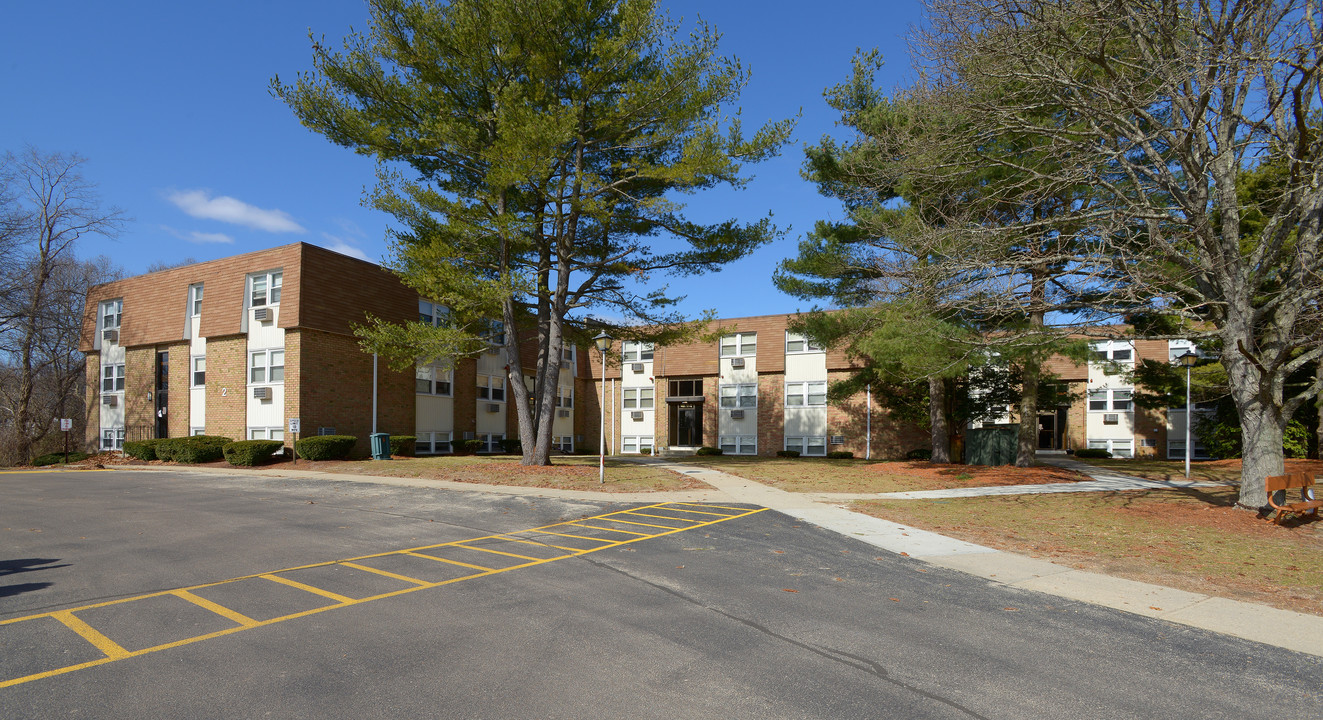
{"x": 197, "y": 431}
{"x": 808, "y": 446}
{"x": 636, "y": 444}
{"x": 491, "y": 387}
{"x": 806, "y": 394}
{"x": 266, "y": 289}
{"x": 195, "y": 299}
{"x": 1176, "y": 450}
{"x": 430, "y": 313}
{"x": 112, "y": 439}
{"x": 266, "y": 433}
{"x": 1120, "y": 400}
{"x": 266, "y": 366}
{"x": 744, "y": 395}
{"x": 111, "y": 313}
{"x": 199, "y": 370}
{"x": 112, "y": 378}
{"x": 565, "y": 397}
{"x": 567, "y": 353}
{"x": 739, "y": 444}
{"x": 637, "y": 398}
{"x": 491, "y": 442}
{"x": 1117, "y": 351}
{"x": 433, "y": 443}
{"x": 495, "y": 333}
{"x": 632, "y": 351}
{"x": 565, "y": 444}
{"x": 796, "y": 343}
{"x": 739, "y": 345}
{"x": 686, "y": 388}
{"x": 432, "y": 380}
{"x": 1118, "y": 448}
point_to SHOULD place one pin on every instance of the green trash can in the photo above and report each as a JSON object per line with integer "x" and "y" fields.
{"x": 380, "y": 446}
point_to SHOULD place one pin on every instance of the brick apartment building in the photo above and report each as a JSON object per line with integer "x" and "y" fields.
{"x": 239, "y": 346}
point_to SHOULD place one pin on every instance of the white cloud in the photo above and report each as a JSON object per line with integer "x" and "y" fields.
{"x": 200, "y": 204}
{"x": 200, "y": 238}
{"x": 340, "y": 245}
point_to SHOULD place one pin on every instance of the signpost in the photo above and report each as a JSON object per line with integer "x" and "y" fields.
{"x": 66, "y": 424}
{"x": 294, "y": 432}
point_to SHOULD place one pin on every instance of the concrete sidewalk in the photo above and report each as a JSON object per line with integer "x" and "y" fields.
{"x": 1282, "y": 628}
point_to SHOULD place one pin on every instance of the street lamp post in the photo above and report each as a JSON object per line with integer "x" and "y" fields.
{"x": 603, "y": 342}
{"x": 1188, "y": 359}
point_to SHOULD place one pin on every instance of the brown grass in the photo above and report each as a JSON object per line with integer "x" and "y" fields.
{"x": 568, "y": 472}
{"x": 873, "y": 476}
{"x": 1224, "y": 471}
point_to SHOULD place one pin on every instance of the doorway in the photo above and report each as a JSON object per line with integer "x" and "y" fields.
{"x": 686, "y": 424}
{"x": 1051, "y": 427}
{"x": 162, "y": 394}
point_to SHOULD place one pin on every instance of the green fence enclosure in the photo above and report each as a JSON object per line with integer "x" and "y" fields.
{"x": 991, "y": 446}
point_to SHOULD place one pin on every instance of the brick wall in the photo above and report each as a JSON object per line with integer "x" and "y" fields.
{"x": 180, "y": 370}
{"x": 890, "y": 439}
{"x": 465, "y": 389}
{"x": 92, "y": 425}
{"x": 139, "y": 380}
{"x": 294, "y": 384}
{"x": 227, "y": 387}
{"x": 771, "y": 411}
{"x": 335, "y": 390}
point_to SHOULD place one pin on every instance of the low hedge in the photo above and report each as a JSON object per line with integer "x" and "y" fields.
{"x": 250, "y": 452}
{"x": 787, "y": 453}
{"x": 192, "y": 449}
{"x": 402, "y": 445}
{"x": 1098, "y": 453}
{"x": 512, "y": 446}
{"x": 840, "y": 455}
{"x": 919, "y": 454}
{"x": 57, "y": 458}
{"x": 142, "y": 449}
{"x": 466, "y": 447}
{"x": 705, "y": 450}
{"x": 325, "y": 447}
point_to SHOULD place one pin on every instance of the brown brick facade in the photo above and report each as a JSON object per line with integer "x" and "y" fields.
{"x": 336, "y": 390}
{"x": 227, "y": 387}
{"x": 92, "y": 408}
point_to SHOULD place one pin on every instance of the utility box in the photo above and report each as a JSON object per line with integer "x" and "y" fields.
{"x": 380, "y": 446}
{"x": 991, "y": 446}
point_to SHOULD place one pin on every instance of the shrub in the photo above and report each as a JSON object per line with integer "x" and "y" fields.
{"x": 840, "y": 455}
{"x": 787, "y": 453}
{"x": 919, "y": 454}
{"x": 250, "y": 452}
{"x": 402, "y": 445}
{"x": 512, "y": 446}
{"x": 57, "y": 458}
{"x": 466, "y": 447}
{"x": 1092, "y": 453}
{"x": 705, "y": 450}
{"x": 325, "y": 447}
{"x": 193, "y": 449}
{"x": 142, "y": 449}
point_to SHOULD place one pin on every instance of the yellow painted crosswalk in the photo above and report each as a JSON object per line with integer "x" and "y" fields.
{"x": 115, "y": 630}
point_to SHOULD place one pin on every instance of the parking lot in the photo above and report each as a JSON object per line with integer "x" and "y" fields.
{"x": 154, "y": 594}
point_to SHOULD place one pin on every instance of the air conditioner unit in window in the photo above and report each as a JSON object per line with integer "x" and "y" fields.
{"x": 493, "y": 407}
{"x": 578, "y": 438}
{"x": 736, "y": 414}
{"x": 563, "y": 413}
{"x": 836, "y": 440}
{"x": 261, "y": 393}
{"x": 111, "y": 336}
{"x": 737, "y": 362}
{"x": 636, "y": 367}
{"x": 262, "y": 314}
{"x": 110, "y": 400}
{"x": 1111, "y": 419}
{"x": 636, "y": 415}
{"x": 325, "y": 431}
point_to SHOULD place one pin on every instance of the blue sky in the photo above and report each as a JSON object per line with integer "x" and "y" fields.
{"x": 169, "y": 104}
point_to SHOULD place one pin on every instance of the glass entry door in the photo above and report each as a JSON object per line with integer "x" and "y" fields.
{"x": 686, "y": 424}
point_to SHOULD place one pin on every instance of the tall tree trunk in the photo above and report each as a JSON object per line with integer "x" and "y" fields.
{"x": 1026, "y": 450}
{"x": 1318, "y": 404}
{"x": 941, "y": 433}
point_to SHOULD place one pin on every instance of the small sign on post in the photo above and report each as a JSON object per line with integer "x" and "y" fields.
{"x": 66, "y": 424}
{"x": 294, "y": 432}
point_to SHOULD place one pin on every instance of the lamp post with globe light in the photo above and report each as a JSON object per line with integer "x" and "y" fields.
{"x": 1188, "y": 360}
{"x": 603, "y": 342}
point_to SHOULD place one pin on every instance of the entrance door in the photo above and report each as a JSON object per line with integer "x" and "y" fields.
{"x": 162, "y": 394}
{"x": 1051, "y": 427}
{"x": 686, "y": 424}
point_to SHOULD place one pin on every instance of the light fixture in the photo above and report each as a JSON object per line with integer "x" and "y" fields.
{"x": 603, "y": 342}
{"x": 1188, "y": 360}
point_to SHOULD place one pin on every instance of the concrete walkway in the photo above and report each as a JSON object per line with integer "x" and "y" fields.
{"x": 1271, "y": 626}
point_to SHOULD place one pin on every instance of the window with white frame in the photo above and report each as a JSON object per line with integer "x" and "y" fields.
{"x": 491, "y": 387}
{"x": 433, "y": 442}
{"x": 491, "y": 442}
{"x": 266, "y": 433}
{"x": 798, "y": 343}
{"x": 634, "y": 351}
{"x": 199, "y": 376}
{"x": 195, "y": 300}
{"x": 111, "y": 314}
{"x": 1113, "y": 351}
{"x": 266, "y": 366}
{"x": 740, "y": 395}
{"x": 112, "y": 439}
{"x": 812, "y": 393}
{"x": 430, "y": 313}
{"x": 1118, "y": 448}
{"x": 197, "y": 431}
{"x": 739, "y": 444}
{"x": 739, "y": 345}
{"x": 636, "y": 444}
{"x": 265, "y": 288}
{"x": 808, "y": 446}
{"x": 565, "y": 444}
{"x": 433, "y": 380}
{"x": 567, "y": 354}
{"x": 1176, "y": 450}
{"x": 112, "y": 378}
{"x": 1111, "y": 400}
{"x": 637, "y": 398}
{"x": 565, "y": 397}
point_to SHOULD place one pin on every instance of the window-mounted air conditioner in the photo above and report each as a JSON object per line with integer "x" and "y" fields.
{"x": 578, "y": 438}
{"x": 493, "y": 407}
{"x": 736, "y": 414}
{"x": 325, "y": 431}
{"x": 261, "y": 393}
{"x": 111, "y": 336}
{"x": 836, "y": 440}
{"x": 262, "y": 314}
{"x": 110, "y": 400}
{"x": 737, "y": 362}
{"x": 636, "y": 367}
{"x": 563, "y": 413}
{"x": 1111, "y": 419}
{"x": 636, "y": 415}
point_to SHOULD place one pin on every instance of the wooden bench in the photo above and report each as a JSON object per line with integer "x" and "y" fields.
{"x": 1283, "y": 483}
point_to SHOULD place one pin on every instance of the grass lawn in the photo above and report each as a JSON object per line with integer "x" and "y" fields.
{"x": 1227, "y": 471}
{"x": 571, "y": 472}
{"x": 1188, "y": 539}
{"x": 819, "y": 475}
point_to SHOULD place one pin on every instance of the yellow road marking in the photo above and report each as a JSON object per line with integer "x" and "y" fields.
{"x": 710, "y": 505}
{"x": 496, "y": 552}
{"x": 218, "y": 609}
{"x": 699, "y": 512}
{"x": 452, "y": 562}
{"x": 653, "y": 525}
{"x": 542, "y": 544}
{"x": 614, "y": 530}
{"x": 582, "y": 537}
{"x": 115, "y": 652}
{"x": 386, "y": 573}
{"x": 111, "y": 648}
{"x": 309, "y": 588}
{"x": 668, "y": 517}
